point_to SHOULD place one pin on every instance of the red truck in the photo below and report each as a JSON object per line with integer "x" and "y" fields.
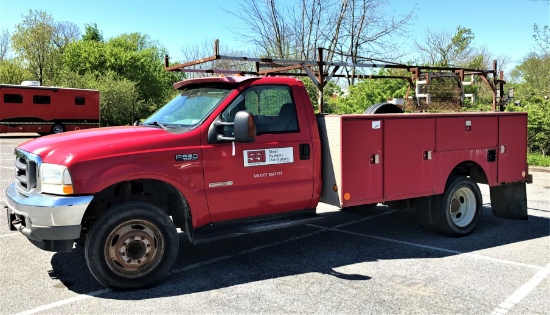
{"x": 234, "y": 155}
{"x": 44, "y": 109}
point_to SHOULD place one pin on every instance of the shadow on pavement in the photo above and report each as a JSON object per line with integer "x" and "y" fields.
{"x": 304, "y": 249}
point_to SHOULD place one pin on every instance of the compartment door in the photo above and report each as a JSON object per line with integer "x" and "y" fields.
{"x": 408, "y": 151}
{"x": 512, "y": 151}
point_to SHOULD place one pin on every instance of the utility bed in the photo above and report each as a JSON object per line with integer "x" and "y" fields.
{"x": 412, "y": 155}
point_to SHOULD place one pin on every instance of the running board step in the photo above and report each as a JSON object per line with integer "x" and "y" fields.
{"x": 222, "y": 231}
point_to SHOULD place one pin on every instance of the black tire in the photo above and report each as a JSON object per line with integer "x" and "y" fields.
{"x": 361, "y": 209}
{"x": 456, "y": 212}
{"x": 383, "y": 108}
{"x": 131, "y": 246}
{"x": 58, "y": 128}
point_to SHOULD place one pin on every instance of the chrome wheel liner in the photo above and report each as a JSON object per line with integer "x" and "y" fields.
{"x": 134, "y": 248}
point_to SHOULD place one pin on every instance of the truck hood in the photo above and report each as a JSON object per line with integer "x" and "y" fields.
{"x": 65, "y": 148}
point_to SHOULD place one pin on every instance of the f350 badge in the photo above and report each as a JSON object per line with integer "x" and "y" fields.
{"x": 187, "y": 157}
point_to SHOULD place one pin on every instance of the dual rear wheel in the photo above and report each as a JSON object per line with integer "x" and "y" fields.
{"x": 456, "y": 212}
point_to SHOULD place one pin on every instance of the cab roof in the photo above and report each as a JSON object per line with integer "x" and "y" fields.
{"x": 231, "y": 80}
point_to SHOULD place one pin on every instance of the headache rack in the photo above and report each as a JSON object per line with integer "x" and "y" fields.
{"x": 322, "y": 71}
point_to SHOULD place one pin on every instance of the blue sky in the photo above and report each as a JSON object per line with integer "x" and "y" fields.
{"x": 504, "y": 27}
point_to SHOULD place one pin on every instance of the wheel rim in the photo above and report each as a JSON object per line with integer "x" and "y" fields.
{"x": 134, "y": 248}
{"x": 462, "y": 207}
{"x": 57, "y": 129}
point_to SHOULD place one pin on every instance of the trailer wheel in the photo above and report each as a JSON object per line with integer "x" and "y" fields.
{"x": 58, "y": 128}
{"x": 456, "y": 212}
{"x": 131, "y": 246}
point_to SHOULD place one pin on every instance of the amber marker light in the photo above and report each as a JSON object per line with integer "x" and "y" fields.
{"x": 347, "y": 196}
{"x": 68, "y": 189}
{"x": 335, "y": 188}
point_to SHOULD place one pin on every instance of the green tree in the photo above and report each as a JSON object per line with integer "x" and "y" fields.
{"x": 368, "y": 92}
{"x": 13, "y": 72}
{"x": 134, "y": 57}
{"x": 4, "y": 44}
{"x": 331, "y": 93}
{"x": 445, "y": 50}
{"x": 542, "y": 37}
{"x": 119, "y": 97}
{"x": 40, "y": 42}
{"x": 92, "y": 33}
{"x": 532, "y": 92}
{"x": 534, "y": 73}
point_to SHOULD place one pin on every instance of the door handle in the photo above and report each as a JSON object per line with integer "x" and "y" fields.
{"x": 304, "y": 151}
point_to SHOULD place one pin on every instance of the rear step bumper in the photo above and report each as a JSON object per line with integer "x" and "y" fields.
{"x": 220, "y": 231}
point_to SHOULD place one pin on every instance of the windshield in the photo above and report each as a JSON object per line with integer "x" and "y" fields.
{"x": 189, "y": 108}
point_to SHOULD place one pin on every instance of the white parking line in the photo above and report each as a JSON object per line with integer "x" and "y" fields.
{"x": 197, "y": 265}
{"x": 450, "y": 251}
{"x": 66, "y": 301}
{"x": 522, "y": 292}
{"x": 8, "y": 235}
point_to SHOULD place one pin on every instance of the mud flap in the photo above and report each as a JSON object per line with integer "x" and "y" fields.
{"x": 509, "y": 201}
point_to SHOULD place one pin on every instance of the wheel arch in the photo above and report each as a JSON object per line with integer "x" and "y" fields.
{"x": 159, "y": 193}
{"x": 471, "y": 169}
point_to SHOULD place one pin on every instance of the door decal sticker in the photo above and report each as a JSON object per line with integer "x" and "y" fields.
{"x": 268, "y": 156}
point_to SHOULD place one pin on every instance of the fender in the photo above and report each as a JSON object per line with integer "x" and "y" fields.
{"x": 93, "y": 176}
{"x": 463, "y": 160}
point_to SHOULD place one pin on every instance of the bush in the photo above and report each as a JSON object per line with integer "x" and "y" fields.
{"x": 536, "y": 159}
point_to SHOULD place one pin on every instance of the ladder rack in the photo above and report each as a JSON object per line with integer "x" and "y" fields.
{"x": 322, "y": 71}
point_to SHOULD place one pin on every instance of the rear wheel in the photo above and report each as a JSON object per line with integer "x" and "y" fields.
{"x": 456, "y": 212}
{"x": 131, "y": 246}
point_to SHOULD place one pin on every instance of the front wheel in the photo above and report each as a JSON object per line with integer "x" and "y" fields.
{"x": 131, "y": 246}
{"x": 456, "y": 212}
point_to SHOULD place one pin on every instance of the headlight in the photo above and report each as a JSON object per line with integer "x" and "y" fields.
{"x": 55, "y": 179}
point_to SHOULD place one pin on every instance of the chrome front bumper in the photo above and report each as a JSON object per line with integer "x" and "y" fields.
{"x": 45, "y": 219}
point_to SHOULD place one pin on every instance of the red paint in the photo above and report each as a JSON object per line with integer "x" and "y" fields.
{"x": 383, "y": 157}
{"x": 39, "y": 107}
{"x": 513, "y": 138}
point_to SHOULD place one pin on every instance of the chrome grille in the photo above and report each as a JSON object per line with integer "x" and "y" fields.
{"x": 26, "y": 171}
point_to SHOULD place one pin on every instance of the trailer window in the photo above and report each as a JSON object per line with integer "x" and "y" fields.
{"x": 41, "y": 99}
{"x": 13, "y": 98}
{"x": 80, "y": 100}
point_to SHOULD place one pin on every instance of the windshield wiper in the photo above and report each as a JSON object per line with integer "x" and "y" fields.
{"x": 156, "y": 123}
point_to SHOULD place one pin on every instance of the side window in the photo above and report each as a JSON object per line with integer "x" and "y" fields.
{"x": 13, "y": 98}
{"x": 273, "y": 108}
{"x": 41, "y": 99}
{"x": 80, "y": 100}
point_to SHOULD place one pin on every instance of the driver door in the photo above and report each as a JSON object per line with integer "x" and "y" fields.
{"x": 267, "y": 176}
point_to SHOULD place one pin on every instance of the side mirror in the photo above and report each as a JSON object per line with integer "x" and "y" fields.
{"x": 245, "y": 127}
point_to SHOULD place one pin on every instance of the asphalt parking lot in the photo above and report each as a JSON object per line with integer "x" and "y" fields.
{"x": 380, "y": 263}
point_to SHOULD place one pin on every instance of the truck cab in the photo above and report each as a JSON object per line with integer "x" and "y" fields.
{"x": 225, "y": 149}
